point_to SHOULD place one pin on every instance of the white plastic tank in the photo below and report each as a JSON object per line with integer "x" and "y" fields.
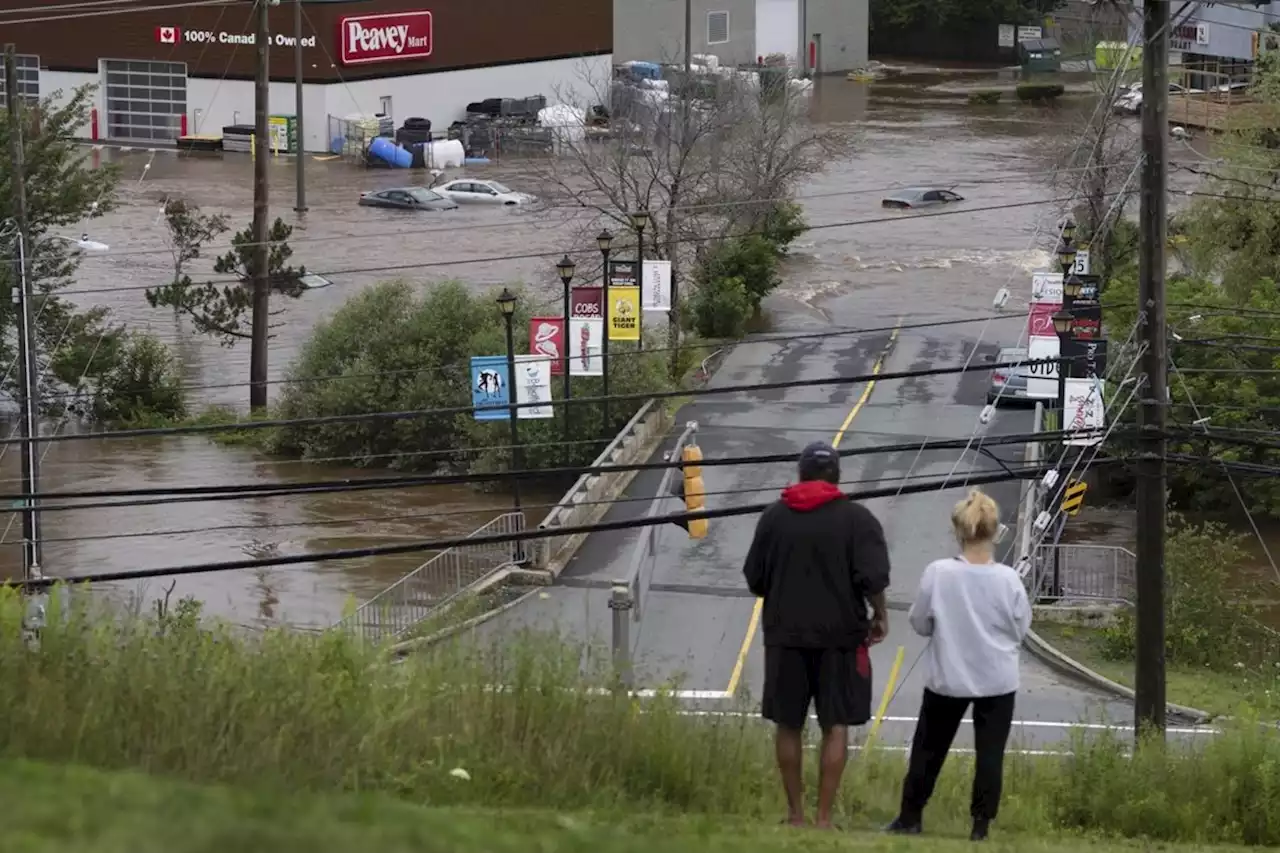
{"x": 444, "y": 154}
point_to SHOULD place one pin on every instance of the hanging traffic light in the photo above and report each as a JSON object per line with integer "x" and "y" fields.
{"x": 691, "y": 490}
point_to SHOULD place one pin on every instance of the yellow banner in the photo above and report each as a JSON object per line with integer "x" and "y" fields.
{"x": 624, "y": 313}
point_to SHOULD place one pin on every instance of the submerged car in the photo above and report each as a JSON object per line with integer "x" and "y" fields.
{"x": 407, "y": 198}
{"x": 1009, "y": 383}
{"x": 913, "y": 197}
{"x": 472, "y": 191}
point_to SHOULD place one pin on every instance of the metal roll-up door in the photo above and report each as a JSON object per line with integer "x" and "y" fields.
{"x": 145, "y": 100}
{"x": 28, "y": 79}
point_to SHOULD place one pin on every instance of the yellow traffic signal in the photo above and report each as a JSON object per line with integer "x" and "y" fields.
{"x": 693, "y": 491}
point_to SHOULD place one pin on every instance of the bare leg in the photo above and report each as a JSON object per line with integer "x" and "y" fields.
{"x": 789, "y": 746}
{"x": 835, "y": 752}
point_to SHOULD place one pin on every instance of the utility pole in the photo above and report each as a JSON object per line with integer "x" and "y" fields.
{"x": 1149, "y": 700}
{"x": 261, "y": 251}
{"x": 686, "y": 134}
{"x": 300, "y": 204}
{"x": 29, "y": 384}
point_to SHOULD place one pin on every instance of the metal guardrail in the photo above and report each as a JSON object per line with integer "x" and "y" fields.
{"x": 437, "y": 582}
{"x": 1104, "y": 573}
{"x": 630, "y": 594}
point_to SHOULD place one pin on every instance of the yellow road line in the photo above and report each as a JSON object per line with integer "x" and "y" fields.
{"x": 888, "y": 693}
{"x": 736, "y": 676}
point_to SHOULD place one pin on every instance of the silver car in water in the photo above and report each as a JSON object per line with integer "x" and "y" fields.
{"x": 910, "y": 198}
{"x": 1009, "y": 383}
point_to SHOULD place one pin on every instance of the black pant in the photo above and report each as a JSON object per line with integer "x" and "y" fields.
{"x": 837, "y": 681}
{"x": 940, "y": 716}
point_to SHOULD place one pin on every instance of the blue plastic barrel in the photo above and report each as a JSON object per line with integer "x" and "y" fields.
{"x": 385, "y": 149}
{"x": 476, "y": 161}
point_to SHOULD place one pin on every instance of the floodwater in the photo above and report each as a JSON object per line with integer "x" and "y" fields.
{"x": 924, "y": 269}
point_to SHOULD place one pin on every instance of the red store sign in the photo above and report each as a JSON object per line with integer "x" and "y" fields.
{"x": 393, "y": 37}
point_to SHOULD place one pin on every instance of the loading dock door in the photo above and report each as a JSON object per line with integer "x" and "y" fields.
{"x": 145, "y": 100}
{"x": 778, "y": 28}
{"x": 28, "y": 68}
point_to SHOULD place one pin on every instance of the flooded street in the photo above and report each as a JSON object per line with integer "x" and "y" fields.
{"x": 923, "y": 269}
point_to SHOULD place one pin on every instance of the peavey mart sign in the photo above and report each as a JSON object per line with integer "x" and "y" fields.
{"x": 393, "y": 37}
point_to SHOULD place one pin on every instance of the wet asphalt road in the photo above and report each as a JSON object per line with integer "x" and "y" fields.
{"x": 697, "y": 625}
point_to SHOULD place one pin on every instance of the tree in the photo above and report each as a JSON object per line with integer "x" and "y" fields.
{"x": 709, "y": 158}
{"x": 74, "y": 346}
{"x": 216, "y": 308}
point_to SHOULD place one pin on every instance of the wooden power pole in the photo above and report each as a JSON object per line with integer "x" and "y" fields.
{"x": 261, "y": 212}
{"x": 1149, "y": 700}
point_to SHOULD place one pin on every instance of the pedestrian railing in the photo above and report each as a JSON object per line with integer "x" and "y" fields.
{"x": 1103, "y": 573}
{"x": 437, "y": 582}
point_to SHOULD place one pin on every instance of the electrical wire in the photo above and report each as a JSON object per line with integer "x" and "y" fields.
{"x": 521, "y": 536}
{"x": 240, "y": 491}
{"x": 191, "y": 429}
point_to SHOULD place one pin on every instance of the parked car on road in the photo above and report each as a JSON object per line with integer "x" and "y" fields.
{"x": 1009, "y": 383}
{"x": 472, "y": 191}
{"x": 913, "y": 197}
{"x": 1130, "y": 101}
{"x": 407, "y": 198}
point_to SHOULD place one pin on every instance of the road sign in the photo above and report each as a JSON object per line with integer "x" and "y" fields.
{"x": 1073, "y": 497}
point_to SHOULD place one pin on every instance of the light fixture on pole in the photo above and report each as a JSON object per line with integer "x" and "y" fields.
{"x": 605, "y": 241}
{"x": 1072, "y": 287}
{"x": 1066, "y": 256}
{"x": 566, "y": 268}
{"x": 507, "y": 304}
{"x": 1068, "y": 230}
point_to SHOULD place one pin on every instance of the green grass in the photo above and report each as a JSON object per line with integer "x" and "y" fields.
{"x": 68, "y": 808}
{"x": 318, "y": 713}
{"x": 1235, "y": 693}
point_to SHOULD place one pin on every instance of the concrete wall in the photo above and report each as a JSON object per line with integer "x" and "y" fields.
{"x": 653, "y": 30}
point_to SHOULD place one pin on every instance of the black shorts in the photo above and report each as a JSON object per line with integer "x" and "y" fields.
{"x": 837, "y": 681}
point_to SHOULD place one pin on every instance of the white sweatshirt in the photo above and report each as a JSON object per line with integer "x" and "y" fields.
{"x": 977, "y": 617}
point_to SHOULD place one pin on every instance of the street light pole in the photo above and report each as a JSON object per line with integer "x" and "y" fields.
{"x": 507, "y": 303}
{"x": 639, "y": 221}
{"x": 22, "y": 298}
{"x": 300, "y": 203}
{"x": 605, "y": 241}
{"x": 566, "y": 269}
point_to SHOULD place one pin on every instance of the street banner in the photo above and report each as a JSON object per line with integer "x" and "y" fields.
{"x": 655, "y": 286}
{"x": 586, "y": 302}
{"x": 533, "y": 385}
{"x": 1089, "y": 358}
{"x": 624, "y": 313}
{"x": 623, "y": 274}
{"x": 586, "y": 342}
{"x": 1046, "y": 287}
{"x": 1040, "y": 319}
{"x": 546, "y": 338}
{"x": 1086, "y": 319}
{"x": 1086, "y": 409}
{"x": 1090, "y": 288}
{"x": 1042, "y": 379}
{"x": 489, "y": 388}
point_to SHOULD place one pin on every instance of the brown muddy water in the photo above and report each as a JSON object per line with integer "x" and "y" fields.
{"x": 906, "y": 133}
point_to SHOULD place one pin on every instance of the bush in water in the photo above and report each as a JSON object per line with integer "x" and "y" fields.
{"x": 1040, "y": 91}
{"x": 751, "y": 259}
{"x": 392, "y": 350}
{"x": 721, "y": 308}
{"x": 143, "y": 386}
{"x": 322, "y": 712}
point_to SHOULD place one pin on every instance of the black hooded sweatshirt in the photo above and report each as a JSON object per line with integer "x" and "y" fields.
{"x": 816, "y": 559}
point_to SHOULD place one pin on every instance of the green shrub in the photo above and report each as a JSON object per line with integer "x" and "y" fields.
{"x": 403, "y": 352}
{"x": 751, "y": 259}
{"x": 986, "y": 96}
{"x": 142, "y": 386}
{"x": 783, "y": 224}
{"x": 721, "y": 308}
{"x": 1211, "y": 616}
{"x": 321, "y": 712}
{"x": 1040, "y": 91}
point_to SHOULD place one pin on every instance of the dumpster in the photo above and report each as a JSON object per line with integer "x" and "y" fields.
{"x": 1040, "y": 55}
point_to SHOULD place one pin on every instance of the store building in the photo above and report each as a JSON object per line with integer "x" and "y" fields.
{"x": 163, "y": 73}
{"x": 824, "y": 36}
{"x": 1215, "y": 44}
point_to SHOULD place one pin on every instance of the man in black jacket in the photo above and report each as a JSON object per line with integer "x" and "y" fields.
{"x": 818, "y": 560}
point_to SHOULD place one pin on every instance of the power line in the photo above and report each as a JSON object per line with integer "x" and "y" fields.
{"x": 522, "y": 536}
{"x": 242, "y": 491}
{"x": 192, "y": 429}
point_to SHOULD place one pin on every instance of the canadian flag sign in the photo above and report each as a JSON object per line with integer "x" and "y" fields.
{"x": 167, "y": 35}
{"x": 546, "y": 339}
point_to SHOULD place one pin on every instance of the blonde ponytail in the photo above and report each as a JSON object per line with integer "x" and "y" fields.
{"x": 976, "y": 519}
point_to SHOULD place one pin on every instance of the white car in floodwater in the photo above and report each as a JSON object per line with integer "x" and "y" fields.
{"x": 473, "y": 191}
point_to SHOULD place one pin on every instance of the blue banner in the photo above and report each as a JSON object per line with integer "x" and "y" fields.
{"x": 490, "y": 389}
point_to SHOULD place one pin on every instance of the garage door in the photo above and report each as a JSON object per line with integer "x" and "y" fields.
{"x": 778, "y": 27}
{"x": 28, "y": 79}
{"x": 145, "y": 100}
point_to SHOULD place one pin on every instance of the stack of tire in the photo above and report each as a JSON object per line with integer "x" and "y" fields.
{"x": 414, "y": 130}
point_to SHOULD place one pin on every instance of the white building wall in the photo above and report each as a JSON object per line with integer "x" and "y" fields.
{"x": 67, "y": 82}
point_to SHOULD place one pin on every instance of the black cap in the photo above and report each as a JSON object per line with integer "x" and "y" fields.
{"x": 819, "y": 457}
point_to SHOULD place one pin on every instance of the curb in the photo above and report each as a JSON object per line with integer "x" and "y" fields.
{"x": 403, "y": 649}
{"x": 1049, "y": 655}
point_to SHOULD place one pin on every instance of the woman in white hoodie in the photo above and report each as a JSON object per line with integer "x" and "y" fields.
{"x": 975, "y": 613}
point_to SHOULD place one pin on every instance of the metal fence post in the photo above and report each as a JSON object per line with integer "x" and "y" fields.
{"x": 620, "y": 603}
